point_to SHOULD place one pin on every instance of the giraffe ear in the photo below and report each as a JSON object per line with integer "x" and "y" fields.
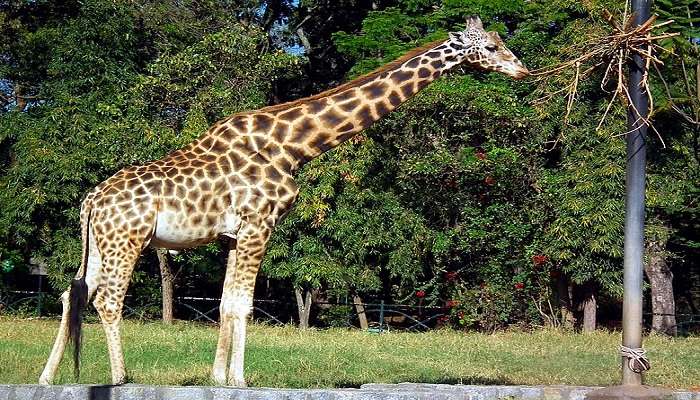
{"x": 495, "y": 36}
{"x": 474, "y": 22}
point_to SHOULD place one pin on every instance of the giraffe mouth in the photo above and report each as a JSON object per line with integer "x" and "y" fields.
{"x": 516, "y": 71}
{"x": 520, "y": 73}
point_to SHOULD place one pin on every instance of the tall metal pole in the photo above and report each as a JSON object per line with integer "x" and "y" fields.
{"x": 634, "y": 204}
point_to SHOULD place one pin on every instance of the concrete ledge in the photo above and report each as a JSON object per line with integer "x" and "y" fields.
{"x": 401, "y": 391}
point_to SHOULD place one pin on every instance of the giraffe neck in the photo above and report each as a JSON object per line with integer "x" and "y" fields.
{"x": 312, "y": 126}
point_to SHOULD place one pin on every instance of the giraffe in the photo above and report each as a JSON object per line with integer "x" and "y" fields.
{"x": 236, "y": 181}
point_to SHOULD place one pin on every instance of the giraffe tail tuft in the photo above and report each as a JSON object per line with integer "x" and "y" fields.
{"x": 78, "y": 298}
{"x": 77, "y": 302}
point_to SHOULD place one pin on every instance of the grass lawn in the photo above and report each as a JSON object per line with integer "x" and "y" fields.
{"x": 182, "y": 354}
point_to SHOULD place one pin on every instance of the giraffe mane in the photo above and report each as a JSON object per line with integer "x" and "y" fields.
{"x": 357, "y": 81}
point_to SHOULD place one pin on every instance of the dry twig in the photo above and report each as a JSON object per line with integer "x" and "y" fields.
{"x": 610, "y": 53}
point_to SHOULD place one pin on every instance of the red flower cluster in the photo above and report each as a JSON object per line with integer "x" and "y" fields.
{"x": 539, "y": 259}
{"x": 489, "y": 180}
{"x": 420, "y": 294}
{"x": 452, "y": 303}
{"x": 480, "y": 155}
{"x": 519, "y": 285}
{"x": 451, "y": 183}
{"x": 450, "y": 276}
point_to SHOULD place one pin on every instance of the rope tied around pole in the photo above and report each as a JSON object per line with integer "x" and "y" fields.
{"x": 637, "y": 360}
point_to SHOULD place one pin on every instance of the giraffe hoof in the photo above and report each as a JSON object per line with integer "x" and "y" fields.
{"x": 237, "y": 383}
{"x": 219, "y": 379}
{"x": 119, "y": 380}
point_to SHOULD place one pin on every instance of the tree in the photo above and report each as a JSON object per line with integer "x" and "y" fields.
{"x": 167, "y": 285}
{"x": 468, "y": 193}
{"x": 535, "y": 205}
{"x": 674, "y": 171}
{"x": 144, "y": 81}
{"x": 381, "y": 206}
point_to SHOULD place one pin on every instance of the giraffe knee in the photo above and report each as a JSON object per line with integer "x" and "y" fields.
{"x": 238, "y": 304}
{"x": 109, "y": 311}
{"x": 108, "y": 316}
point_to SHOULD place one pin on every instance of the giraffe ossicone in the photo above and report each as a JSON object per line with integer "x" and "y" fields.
{"x": 236, "y": 180}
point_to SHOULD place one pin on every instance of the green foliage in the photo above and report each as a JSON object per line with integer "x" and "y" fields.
{"x": 485, "y": 308}
{"x": 492, "y": 180}
{"x": 468, "y": 192}
{"x": 343, "y": 232}
{"x": 456, "y": 155}
{"x": 110, "y": 95}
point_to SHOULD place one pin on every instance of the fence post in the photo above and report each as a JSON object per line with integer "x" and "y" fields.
{"x": 381, "y": 316}
{"x": 40, "y": 297}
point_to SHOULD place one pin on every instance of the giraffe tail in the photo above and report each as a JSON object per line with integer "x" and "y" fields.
{"x": 77, "y": 302}
{"x": 79, "y": 291}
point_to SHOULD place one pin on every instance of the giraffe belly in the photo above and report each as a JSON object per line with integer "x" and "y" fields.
{"x": 175, "y": 231}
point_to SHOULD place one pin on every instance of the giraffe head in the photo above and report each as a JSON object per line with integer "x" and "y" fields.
{"x": 485, "y": 50}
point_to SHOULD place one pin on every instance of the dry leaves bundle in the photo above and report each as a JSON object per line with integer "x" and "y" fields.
{"x": 611, "y": 53}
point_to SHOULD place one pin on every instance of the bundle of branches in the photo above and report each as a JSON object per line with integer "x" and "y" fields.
{"x": 610, "y": 53}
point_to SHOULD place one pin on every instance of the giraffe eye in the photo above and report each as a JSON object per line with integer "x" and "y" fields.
{"x": 491, "y": 47}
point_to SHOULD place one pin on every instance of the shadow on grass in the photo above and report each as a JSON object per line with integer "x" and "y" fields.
{"x": 197, "y": 380}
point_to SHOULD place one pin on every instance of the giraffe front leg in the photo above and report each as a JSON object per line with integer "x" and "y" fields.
{"x": 250, "y": 250}
{"x": 237, "y": 298}
{"x": 225, "y": 320}
{"x": 242, "y": 307}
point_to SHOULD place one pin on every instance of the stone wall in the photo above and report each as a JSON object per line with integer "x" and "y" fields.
{"x": 402, "y": 391}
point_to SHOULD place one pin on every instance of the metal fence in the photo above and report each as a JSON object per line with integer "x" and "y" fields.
{"x": 380, "y": 316}
{"x": 22, "y": 302}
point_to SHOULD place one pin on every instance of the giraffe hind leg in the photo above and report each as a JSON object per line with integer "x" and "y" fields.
{"x": 47, "y": 376}
{"x": 82, "y": 288}
{"x": 109, "y": 302}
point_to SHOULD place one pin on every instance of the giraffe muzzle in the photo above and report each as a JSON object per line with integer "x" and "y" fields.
{"x": 521, "y": 73}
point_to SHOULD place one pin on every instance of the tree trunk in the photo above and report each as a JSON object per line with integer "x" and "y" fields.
{"x": 360, "y": 308}
{"x": 663, "y": 304}
{"x": 21, "y": 101}
{"x": 589, "y": 308}
{"x": 304, "y": 300}
{"x": 167, "y": 280}
{"x": 568, "y": 320}
{"x": 304, "y": 40}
